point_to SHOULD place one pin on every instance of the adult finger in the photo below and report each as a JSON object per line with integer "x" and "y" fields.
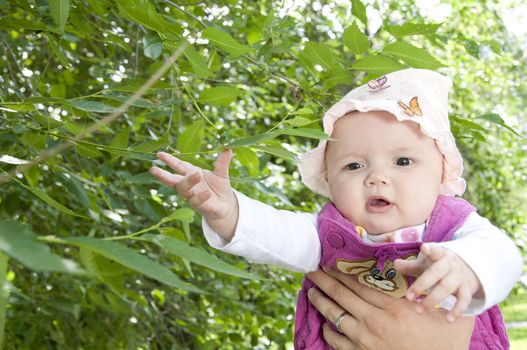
{"x": 221, "y": 167}
{"x": 165, "y": 177}
{"x": 335, "y": 340}
{"x": 368, "y": 299}
{"x": 331, "y": 311}
{"x": 179, "y": 166}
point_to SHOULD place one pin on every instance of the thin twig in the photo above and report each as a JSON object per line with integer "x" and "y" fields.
{"x": 29, "y": 87}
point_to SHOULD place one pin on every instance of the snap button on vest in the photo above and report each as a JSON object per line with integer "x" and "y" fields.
{"x": 335, "y": 240}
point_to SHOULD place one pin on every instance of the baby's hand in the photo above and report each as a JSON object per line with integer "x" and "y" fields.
{"x": 210, "y": 193}
{"x": 444, "y": 273}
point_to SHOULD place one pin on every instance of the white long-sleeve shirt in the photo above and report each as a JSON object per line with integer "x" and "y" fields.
{"x": 287, "y": 239}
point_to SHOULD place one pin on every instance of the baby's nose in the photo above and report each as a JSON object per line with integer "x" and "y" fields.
{"x": 377, "y": 179}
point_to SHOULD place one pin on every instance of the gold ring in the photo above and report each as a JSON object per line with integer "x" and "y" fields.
{"x": 339, "y": 319}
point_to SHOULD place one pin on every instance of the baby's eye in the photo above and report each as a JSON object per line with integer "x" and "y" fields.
{"x": 403, "y": 161}
{"x": 354, "y": 166}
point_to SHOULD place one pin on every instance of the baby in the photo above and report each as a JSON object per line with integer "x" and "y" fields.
{"x": 391, "y": 170}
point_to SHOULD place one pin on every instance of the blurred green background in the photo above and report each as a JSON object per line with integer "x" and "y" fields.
{"x": 96, "y": 254}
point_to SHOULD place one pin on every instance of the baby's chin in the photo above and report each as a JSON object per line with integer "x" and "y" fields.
{"x": 375, "y": 230}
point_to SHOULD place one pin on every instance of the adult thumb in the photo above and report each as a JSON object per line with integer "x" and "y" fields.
{"x": 221, "y": 167}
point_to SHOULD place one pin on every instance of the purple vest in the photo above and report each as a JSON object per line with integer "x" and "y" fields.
{"x": 373, "y": 265}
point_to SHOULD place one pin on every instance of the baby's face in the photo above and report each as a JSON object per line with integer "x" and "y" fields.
{"x": 383, "y": 174}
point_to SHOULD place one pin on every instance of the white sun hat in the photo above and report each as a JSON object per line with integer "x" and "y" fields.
{"x": 417, "y": 95}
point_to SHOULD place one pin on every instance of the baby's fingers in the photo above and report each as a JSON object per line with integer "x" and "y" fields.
{"x": 165, "y": 177}
{"x": 198, "y": 200}
{"x": 412, "y": 267}
{"x": 185, "y": 187}
{"x": 464, "y": 298}
{"x": 445, "y": 287}
{"x": 432, "y": 251}
{"x": 179, "y": 166}
{"x": 429, "y": 278}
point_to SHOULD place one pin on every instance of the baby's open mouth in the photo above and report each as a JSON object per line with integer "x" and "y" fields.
{"x": 378, "y": 202}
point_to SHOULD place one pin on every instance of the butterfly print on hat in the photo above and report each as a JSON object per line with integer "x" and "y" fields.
{"x": 378, "y": 84}
{"x": 413, "y": 109}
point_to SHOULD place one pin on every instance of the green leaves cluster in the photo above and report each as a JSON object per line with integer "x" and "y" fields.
{"x": 113, "y": 259}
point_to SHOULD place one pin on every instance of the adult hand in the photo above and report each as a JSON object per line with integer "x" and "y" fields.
{"x": 378, "y": 321}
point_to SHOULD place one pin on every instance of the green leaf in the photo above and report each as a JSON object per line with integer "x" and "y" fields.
{"x": 4, "y": 295}
{"x": 60, "y": 10}
{"x": 120, "y": 140}
{"x": 359, "y": 11}
{"x": 131, "y": 154}
{"x": 337, "y": 75}
{"x": 280, "y": 152}
{"x": 87, "y": 151}
{"x": 248, "y": 159}
{"x": 377, "y": 65}
{"x": 57, "y": 50}
{"x": 21, "y": 244}
{"x": 181, "y": 214}
{"x": 46, "y": 122}
{"x": 144, "y": 13}
{"x": 34, "y": 140}
{"x": 150, "y": 146}
{"x": 219, "y": 95}
{"x": 131, "y": 259}
{"x": 191, "y": 139}
{"x": 153, "y": 46}
{"x": 410, "y": 28}
{"x": 46, "y": 198}
{"x": 197, "y": 256}
{"x": 319, "y": 53}
{"x": 497, "y": 119}
{"x": 198, "y": 62}
{"x": 75, "y": 187}
{"x": 116, "y": 96}
{"x": 355, "y": 39}
{"x": 93, "y": 106}
{"x": 305, "y": 132}
{"x": 103, "y": 269}
{"x": 184, "y": 215}
{"x": 251, "y": 140}
{"x": 302, "y": 111}
{"x": 299, "y": 121}
{"x": 414, "y": 56}
{"x": 17, "y": 24}
{"x": 472, "y": 48}
{"x": 467, "y": 124}
{"x": 225, "y": 42}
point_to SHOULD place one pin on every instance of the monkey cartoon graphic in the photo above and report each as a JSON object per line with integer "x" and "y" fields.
{"x": 387, "y": 281}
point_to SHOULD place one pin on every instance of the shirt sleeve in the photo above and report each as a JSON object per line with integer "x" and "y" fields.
{"x": 493, "y": 257}
{"x": 266, "y": 235}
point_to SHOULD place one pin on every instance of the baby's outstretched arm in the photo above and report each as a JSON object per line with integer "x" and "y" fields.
{"x": 445, "y": 273}
{"x": 209, "y": 192}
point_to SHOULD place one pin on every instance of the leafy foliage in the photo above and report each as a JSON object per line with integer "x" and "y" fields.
{"x": 96, "y": 254}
